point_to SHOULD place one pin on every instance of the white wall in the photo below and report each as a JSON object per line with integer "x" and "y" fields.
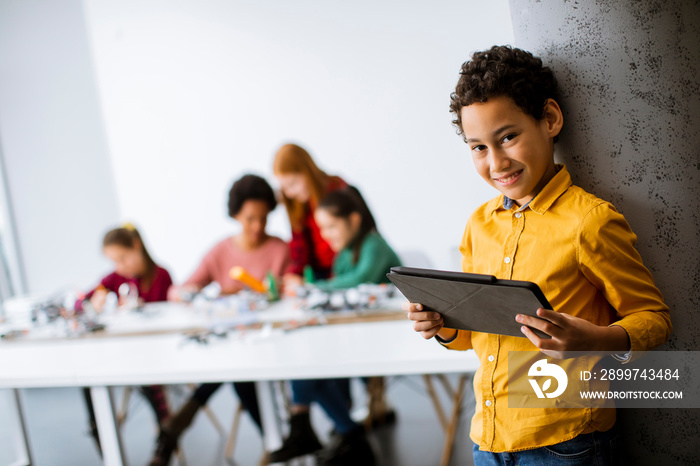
{"x": 53, "y": 143}
{"x": 195, "y": 94}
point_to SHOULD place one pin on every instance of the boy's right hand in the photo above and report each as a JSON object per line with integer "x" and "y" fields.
{"x": 427, "y": 323}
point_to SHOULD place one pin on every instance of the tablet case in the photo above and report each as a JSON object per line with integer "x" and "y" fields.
{"x": 466, "y": 301}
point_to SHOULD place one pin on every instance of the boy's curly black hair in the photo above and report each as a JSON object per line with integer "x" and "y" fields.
{"x": 250, "y": 187}
{"x": 504, "y": 71}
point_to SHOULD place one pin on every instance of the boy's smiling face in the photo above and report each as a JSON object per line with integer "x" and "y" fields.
{"x": 512, "y": 151}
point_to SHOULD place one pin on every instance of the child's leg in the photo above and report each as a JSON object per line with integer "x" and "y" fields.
{"x": 155, "y": 394}
{"x": 302, "y": 394}
{"x": 202, "y": 394}
{"x": 302, "y": 439}
{"x": 249, "y": 399}
{"x": 350, "y": 446}
{"x": 329, "y": 393}
{"x": 344, "y": 387}
{"x": 91, "y": 417}
{"x": 178, "y": 422}
{"x": 487, "y": 458}
{"x": 600, "y": 448}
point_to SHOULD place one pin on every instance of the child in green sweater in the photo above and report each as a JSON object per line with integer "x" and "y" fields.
{"x": 363, "y": 256}
{"x": 348, "y": 226}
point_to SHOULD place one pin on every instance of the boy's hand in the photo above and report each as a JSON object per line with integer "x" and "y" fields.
{"x": 427, "y": 323}
{"x": 571, "y": 333}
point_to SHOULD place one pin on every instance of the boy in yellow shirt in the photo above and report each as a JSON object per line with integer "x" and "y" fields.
{"x": 542, "y": 229}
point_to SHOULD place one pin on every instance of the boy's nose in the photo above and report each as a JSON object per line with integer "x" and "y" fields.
{"x": 498, "y": 161}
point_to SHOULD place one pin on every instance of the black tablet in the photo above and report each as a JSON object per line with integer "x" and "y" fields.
{"x": 468, "y": 301}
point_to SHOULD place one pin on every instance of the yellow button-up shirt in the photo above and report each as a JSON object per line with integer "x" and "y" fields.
{"x": 580, "y": 251}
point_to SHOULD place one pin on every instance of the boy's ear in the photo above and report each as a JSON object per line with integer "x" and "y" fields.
{"x": 554, "y": 117}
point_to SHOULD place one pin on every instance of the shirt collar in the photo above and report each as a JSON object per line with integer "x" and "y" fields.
{"x": 508, "y": 203}
{"x": 550, "y": 193}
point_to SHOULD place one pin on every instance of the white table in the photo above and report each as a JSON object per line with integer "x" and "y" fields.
{"x": 347, "y": 350}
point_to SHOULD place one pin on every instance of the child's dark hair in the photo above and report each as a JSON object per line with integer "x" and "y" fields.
{"x": 250, "y": 187}
{"x": 127, "y": 236}
{"x": 343, "y": 202}
{"x": 504, "y": 71}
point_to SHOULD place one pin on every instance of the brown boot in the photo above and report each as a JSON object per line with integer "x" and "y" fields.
{"x": 170, "y": 432}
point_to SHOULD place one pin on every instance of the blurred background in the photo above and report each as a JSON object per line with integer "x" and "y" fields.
{"x": 146, "y": 111}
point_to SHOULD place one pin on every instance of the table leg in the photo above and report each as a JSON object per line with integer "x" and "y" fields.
{"x": 449, "y": 425}
{"x": 272, "y": 436}
{"x": 103, "y": 401}
{"x": 19, "y": 430}
{"x": 436, "y": 401}
{"x": 454, "y": 421}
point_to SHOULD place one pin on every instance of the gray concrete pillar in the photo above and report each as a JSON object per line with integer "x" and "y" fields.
{"x": 629, "y": 71}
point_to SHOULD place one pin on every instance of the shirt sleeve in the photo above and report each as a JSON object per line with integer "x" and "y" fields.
{"x": 111, "y": 283}
{"x": 202, "y": 275}
{"x": 298, "y": 252}
{"x": 609, "y": 260}
{"x": 161, "y": 284}
{"x": 461, "y": 342}
{"x": 89, "y": 294}
{"x": 282, "y": 264}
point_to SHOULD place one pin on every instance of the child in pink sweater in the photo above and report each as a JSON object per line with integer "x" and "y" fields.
{"x": 251, "y": 199}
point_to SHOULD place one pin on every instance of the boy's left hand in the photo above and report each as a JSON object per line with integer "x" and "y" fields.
{"x": 571, "y": 333}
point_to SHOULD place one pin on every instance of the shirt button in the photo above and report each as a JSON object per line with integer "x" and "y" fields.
{"x": 518, "y": 215}
{"x": 507, "y": 260}
{"x": 491, "y": 358}
{"x": 488, "y": 403}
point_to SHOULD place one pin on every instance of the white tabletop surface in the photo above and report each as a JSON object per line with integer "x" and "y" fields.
{"x": 377, "y": 348}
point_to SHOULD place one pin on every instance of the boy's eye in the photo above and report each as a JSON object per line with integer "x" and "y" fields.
{"x": 478, "y": 148}
{"x": 508, "y": 137}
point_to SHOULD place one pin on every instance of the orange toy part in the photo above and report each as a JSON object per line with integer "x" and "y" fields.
{"x": 239, "y": 273}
